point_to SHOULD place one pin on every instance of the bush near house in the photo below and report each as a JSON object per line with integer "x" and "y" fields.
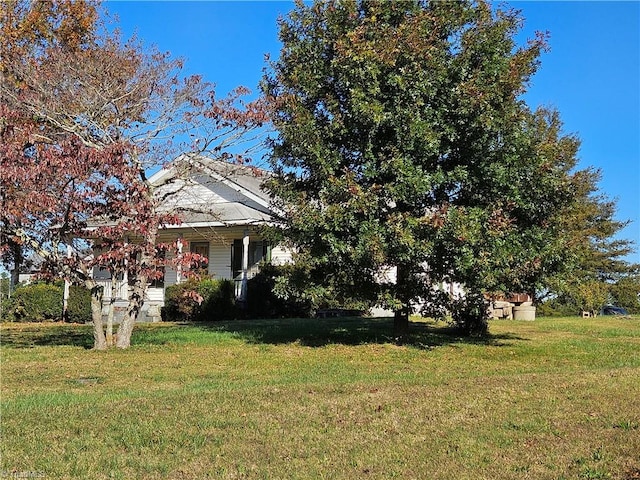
{"x": 79, "y": 306}
{"x": 267, "y": 297}
{"x": 262, "y": 302}
{"x": 217, "y": 301}
{"x": 37, "y": 302}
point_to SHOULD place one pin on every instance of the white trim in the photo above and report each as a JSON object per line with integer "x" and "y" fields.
{"x": 245, "y": 265}
{"x": 247, "y": 221}
{"x": 232, "y": 223}
{"x": 238, "y": 188}
{"x": 160, "y": 175}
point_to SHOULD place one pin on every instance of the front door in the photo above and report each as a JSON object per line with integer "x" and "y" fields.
{"x": 258, "y": 251}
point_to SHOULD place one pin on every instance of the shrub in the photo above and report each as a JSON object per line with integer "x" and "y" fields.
{"x": 469, "y": 315}
{"x": 79, "y": 306}
{"x": 36, "y": 302}
{"x": 555, "y": 308}
{"x": 262, "y": 301}
{"x": 217, "y": 301}
{"x": 5, "y": 298}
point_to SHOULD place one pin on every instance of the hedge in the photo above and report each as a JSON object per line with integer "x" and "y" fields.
{"x": 79, "y": 305}
{"x": 36, "y": 302}
{"x": 42, "y": 302}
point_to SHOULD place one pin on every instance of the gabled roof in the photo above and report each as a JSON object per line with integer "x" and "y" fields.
{"x": 247, "y": 204}
{"x": 209, "y": 193}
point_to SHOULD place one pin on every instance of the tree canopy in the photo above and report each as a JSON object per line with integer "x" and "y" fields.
{"x": 403, "y": 145}
{"x": 599, "y": 272}
{"x": 85, "y": 115}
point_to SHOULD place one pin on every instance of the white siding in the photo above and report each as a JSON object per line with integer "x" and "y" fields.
{"x": 154, "y": 295}
{"x": 280, "y": 255}
{"x": 201, "y": 194}
{"x": 220, "y": 261}
{"x": 179, "y": 194}
{"x": 170, "y": 276}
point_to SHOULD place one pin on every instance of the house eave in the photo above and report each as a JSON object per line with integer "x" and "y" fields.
{"x": 216, "y": 224}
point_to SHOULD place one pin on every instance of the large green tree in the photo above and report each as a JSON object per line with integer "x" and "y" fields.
{"x": 405, "y": 156}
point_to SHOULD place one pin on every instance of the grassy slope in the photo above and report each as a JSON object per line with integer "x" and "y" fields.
{"x": 551, "y": 399}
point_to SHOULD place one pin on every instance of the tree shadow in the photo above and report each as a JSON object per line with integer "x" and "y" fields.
{"x": 319, "y": 332}
{"x": 47, "y": 334}
{"x": 309, "y": 332}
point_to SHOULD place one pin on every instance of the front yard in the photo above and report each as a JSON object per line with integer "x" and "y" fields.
{"x": 330, "y": 398}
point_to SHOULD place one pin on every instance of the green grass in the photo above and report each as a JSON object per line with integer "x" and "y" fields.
{"x": 331, "y": 398}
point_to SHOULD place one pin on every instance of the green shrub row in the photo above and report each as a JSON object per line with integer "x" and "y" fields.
{"x": 42, "y": 302}
{"x": 215, "y": 299}
{"x": 204, "y": 300}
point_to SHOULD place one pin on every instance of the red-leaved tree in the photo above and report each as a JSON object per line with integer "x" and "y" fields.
{"x": 85, "y": 117}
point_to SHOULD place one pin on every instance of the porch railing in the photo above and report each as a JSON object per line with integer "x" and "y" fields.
{"x": 122, "y": 289}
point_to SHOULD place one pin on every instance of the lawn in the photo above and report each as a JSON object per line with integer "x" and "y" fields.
{"x": 331, "y": 398}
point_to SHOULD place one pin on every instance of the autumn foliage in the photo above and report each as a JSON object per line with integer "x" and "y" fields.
{"x": 84, "y": 117}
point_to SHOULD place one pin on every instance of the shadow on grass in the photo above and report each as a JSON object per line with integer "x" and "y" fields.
{"x": 318, "y": 332}
{"x": 310, "y": 332}
{"x": 46, "y": 334}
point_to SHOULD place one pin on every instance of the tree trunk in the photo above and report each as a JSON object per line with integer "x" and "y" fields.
{"x": 99, "y": 340}
{"x": 136, "y": 300}
{"x": 112, "y": 306}
{"x": 401, "y": 323}
{"x": 139, "y": 287}
{"x": 16, "y": 251}
{"x": 401, "y": 315}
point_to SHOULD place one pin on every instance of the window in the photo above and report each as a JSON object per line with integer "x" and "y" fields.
{"x": 201, "y": 248}
{"x": 159, "y": 282}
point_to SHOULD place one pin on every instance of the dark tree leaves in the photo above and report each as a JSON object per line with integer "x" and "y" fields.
{"x": 404, "y": 146}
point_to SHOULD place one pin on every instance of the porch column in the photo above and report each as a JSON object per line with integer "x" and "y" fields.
{"x": 65, "y": 294}
{"x": 179, "y": 245}
{"x": 125, "y": 276}
{"x": 245, "y": 265}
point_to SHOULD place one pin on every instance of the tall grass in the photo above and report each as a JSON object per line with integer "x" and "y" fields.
{"x": 330, "y": 398}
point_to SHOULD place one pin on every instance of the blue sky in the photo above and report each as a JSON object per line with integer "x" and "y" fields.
{"x": 591, "y": 74}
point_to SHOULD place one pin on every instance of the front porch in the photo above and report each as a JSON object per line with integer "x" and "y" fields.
{"x": 234, "y": 253}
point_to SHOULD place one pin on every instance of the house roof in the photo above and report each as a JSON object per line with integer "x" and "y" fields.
{"x": 242, "y": 178}
{"x": 223, "y": 215}
{"x": 211, "y": 193}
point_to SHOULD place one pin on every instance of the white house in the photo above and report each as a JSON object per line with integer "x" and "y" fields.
{"x": 222, "y": 207}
